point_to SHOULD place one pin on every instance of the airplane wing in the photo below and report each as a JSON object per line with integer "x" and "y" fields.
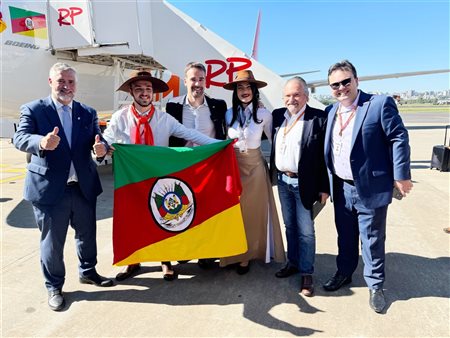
{"x": 322, "y": 83}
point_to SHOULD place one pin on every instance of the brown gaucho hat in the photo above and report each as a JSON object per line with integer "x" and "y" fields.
{"x": 158, "y": 85}
{"x": 244, "y": 76}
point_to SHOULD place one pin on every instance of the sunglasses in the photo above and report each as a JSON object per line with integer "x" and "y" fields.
{"x": 337, "y": 85}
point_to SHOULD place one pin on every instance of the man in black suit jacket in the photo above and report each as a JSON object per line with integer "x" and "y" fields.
{"x": 197, "y": 111}
{"x": 298, "y": 167}
{"x": 62, "y": 182}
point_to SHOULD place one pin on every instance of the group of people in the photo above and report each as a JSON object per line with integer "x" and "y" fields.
{"x": 356, "y": 151}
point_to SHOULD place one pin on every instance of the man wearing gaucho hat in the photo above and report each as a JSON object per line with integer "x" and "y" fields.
{"x": 141, "y": 123}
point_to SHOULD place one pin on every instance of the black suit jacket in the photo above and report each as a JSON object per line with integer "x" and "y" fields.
{"x": 217, "y": 109}
{"x": 312, "y": 172}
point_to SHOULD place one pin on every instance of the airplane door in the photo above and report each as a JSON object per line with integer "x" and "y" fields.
{"x": 70, "y": 24}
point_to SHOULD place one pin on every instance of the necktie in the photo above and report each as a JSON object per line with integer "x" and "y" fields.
{"x": 67, "y": 123}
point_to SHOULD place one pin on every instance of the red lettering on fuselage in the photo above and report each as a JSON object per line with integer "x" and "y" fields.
{"x": 70, "y": 13}
{"x": 232, "y": 68}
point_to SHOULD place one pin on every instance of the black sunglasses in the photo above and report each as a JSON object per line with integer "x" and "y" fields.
{"x": 337, "y": 85}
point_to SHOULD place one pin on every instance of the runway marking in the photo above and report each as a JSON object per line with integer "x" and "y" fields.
{"x": 11, "y": 171}
{"x": 13, "y": 178}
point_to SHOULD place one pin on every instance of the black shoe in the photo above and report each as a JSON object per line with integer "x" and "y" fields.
{"x": 206, "y": 263}
{"x": 377, "y": 301}
{"x": 242, "y": 270}
{"x": 168, "y": 276}
{"x": 56, "y": 300}
{"x": 96, "y": 279}
{"x": 336, "y": 282}
{"x": 129, "y": 271}
{"x": 286, "y": 271}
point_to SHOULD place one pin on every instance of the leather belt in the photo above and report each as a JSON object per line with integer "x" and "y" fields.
{"x": 290, "y": 174}
{"x": 72, "y": 183}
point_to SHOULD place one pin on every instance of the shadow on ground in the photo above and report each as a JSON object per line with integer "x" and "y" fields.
{"x": 259, "y": 291}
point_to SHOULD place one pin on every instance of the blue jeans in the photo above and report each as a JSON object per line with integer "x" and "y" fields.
{"x": 300, "y": 235}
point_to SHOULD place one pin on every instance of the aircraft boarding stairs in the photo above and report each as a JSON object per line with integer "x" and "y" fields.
{"x": 113, "y": 34}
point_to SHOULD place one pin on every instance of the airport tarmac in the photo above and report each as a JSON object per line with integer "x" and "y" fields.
{"x": 220, "y": 303}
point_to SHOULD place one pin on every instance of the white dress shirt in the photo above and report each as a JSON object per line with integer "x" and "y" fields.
{"x": 252, "y": 131}
{"x": 341, "y": 144}
{"x": 198, "y": 118}
{"x": 288, "y": 146}
{"x": 163, "y": 126}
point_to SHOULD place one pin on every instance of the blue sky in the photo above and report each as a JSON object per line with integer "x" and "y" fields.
{"x": 378, "y": 37}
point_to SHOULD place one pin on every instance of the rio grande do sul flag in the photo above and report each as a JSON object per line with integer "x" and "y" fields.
{"x": 28, "y": 23}
{"x": 176, "y": 203}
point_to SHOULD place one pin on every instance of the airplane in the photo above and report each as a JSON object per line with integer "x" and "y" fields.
{"x": 93, "y": 36}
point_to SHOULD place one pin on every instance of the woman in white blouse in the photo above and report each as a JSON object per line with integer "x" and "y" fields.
{"x": 246, "y": 122}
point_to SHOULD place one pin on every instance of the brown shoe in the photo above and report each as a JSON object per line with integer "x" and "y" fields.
{"x": 307, "y": 288}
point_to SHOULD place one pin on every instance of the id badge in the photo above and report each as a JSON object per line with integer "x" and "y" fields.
{"x": 283, "y": 148}
{"x": 338, "y": 148}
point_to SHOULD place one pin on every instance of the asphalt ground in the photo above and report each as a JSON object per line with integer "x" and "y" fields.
{"x": 220, "y": 303}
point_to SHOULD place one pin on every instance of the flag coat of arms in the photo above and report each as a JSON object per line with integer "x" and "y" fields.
{"x": 176, "y": 203}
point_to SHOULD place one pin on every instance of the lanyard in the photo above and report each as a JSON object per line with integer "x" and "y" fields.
{"x": 286, "y": 130}
{"x": 343, "y": 126}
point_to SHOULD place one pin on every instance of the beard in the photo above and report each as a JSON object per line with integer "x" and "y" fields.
{"x": 142, "y": 102}
{"x": 197, "y": 91}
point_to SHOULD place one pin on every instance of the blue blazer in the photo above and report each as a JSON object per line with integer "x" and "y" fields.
{"x": 48, "y": 171}
{"x": 380, "y": 151}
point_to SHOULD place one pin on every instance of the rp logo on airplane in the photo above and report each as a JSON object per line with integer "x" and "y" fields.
{"x": 68, "y": 13}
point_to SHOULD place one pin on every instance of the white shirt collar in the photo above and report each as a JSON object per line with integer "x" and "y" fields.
{"x": 186, "y": 102}
{"x": 59, "y": 105}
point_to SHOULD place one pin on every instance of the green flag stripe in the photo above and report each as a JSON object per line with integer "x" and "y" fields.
{"x": 16, "y": 13}
{"x": 129, "y": 167}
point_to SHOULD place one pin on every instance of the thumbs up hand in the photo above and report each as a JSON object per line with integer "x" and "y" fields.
{"x": 99, "y": 147}
{"x": 51, "y": 140}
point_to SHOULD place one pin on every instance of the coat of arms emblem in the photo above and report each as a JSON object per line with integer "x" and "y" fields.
{"x": 172, "y": 204}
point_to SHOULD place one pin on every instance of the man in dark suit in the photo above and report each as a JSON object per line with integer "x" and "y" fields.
{"x": 298, "y": 167}
{"x": 197, "y": 111}
{"x": 62, "y": 181}
{"x": 367, "y": 153}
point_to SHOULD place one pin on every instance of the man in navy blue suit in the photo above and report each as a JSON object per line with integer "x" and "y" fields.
{"x": 367, "y": 154}
{"x": 62, "y": 182}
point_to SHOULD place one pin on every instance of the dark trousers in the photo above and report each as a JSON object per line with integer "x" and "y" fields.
{"x": 53, "y": 222}
{"x": 355, "y": 222}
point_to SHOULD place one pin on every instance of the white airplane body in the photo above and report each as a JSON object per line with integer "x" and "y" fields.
{"x": 103, "y": 40}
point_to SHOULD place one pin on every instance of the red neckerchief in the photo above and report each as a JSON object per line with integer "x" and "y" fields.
{"x": 143, "y": 120}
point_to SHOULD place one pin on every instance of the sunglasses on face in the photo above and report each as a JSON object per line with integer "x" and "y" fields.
{"x": 337, "y": 85}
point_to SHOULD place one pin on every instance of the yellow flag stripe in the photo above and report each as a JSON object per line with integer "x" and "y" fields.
{"x": 222, "y": 235}
{"x": 40, "y": 33}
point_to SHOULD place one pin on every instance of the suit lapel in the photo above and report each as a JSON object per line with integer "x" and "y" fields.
{"x": 329, "y": 131}
{"x": 307, "y": 127}
{"x": 55, "y": 121}
{"x": 52, "y": 114}
{"x": 361, "y": 112}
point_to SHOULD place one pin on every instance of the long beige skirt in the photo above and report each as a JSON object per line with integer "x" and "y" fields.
{"x": 259, "y": 212}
